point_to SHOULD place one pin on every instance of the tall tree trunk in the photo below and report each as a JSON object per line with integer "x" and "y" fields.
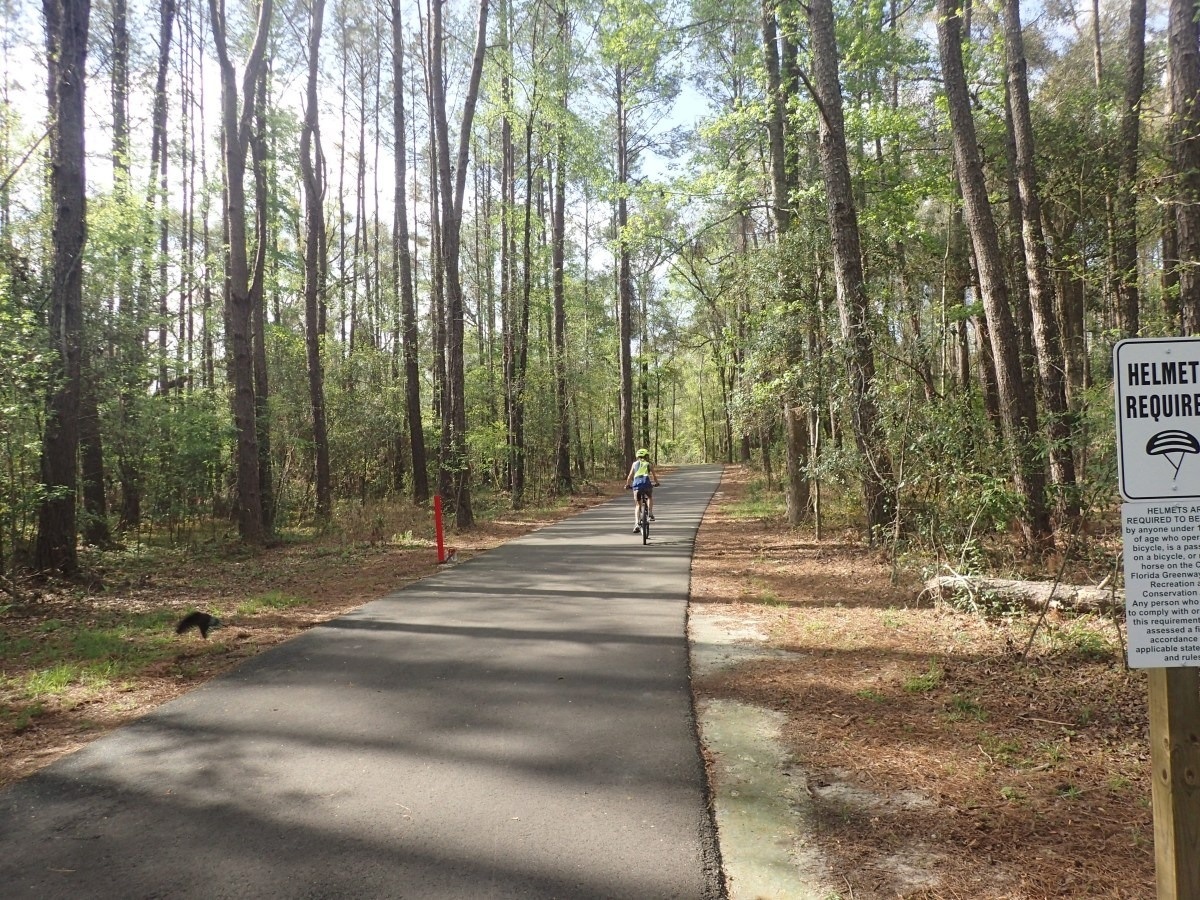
{"x": 91, "y": 446}
{"x": 1184, "y": 71}
{"x": 795, "y": 437}
{"x": 1047, "y": 338}
{"x": 958, "y": 282}
{"x": 91, "y": 450}
{"x": 408, "y": 307}
{"x": 134, "y": 386}
{"x": 776, "y": 106}
{"x": 66, "y": 38}
{"x": 558, "y": 257}
{"x": 455, "y": 419}
{"x": 316, "y": 261}
{"x": 1170, "y": 272}
{"x": 258, "y": 302}
{"x": 1017, "y": 412}
{"x": 1126, "y": 200}
{"x": 208, "y": 342}
{"x": 236, "y": 127}
{"x": 1017, "y": 270}
{"x": 879, "y": 492}
{"x": 624, "y": 271}
{"x": 508, "y": 251}
{"x": 520, "y": 365}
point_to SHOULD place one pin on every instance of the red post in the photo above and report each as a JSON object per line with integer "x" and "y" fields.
{"x": 437, "y": 524}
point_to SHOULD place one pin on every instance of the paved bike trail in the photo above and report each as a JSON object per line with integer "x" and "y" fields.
{"x": 519, "y": 725}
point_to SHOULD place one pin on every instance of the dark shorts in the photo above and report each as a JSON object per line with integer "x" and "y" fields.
{"x": 643, "y": 485}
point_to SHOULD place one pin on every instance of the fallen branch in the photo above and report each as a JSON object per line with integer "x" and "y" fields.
{"x": 1031, "y": 594}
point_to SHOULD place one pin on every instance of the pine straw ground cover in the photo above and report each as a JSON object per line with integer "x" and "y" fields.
{"x": 77, "y": 660}
{"x": 937, "y": 762}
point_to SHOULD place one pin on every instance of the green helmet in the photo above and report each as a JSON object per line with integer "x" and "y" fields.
{"x": 643, "y": 453}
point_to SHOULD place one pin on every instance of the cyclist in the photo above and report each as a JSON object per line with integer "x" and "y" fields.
{"x": 641, "y": 475}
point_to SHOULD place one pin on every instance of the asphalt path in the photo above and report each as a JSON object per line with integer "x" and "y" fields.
{"x": 518, "y": 725}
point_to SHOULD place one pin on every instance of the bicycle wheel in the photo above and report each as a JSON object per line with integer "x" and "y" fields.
{"x": 644, "y": 515}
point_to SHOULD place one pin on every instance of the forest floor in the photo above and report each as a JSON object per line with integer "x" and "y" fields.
{"x": 928, "y": 760}
{"x": 923, "y": 757}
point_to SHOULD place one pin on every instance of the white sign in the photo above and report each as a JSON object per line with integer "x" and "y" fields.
{"x": 1157, "y": 387}
{"x": 1162, "y": 583}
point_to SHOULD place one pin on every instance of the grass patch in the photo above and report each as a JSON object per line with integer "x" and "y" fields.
{"x": 407, "y": 541}
{"x": 1052, "y": 751}
{"x": 759, "y": 503}
{"x": 87, "y": 654}
{"x": 1079, "y": 640}
{"x": 965, "y": 708}
{"x": 51, "y": 682}
{"x": 1069, "y": 791}
{"x": 926, "y": 681}
{"x": 271, "y": 600}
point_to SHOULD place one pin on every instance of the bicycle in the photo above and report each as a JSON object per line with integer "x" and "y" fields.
{"x": 643, "y": 515}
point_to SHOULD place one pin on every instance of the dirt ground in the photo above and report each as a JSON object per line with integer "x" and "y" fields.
{"x": 936, "y": 762}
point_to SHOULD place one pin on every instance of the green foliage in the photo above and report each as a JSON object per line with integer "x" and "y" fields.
{"x": 186, "y": 454}
{"x": 26, "y": 373}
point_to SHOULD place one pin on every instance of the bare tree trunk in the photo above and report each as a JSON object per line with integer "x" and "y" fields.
{"x": 258, "y": 302}
{"x": 795, "y": 437}
{"x": 236, "y": 127}
{"x": 208, "y": 350}
{"x": 1047, "y": 338}
{"x": 455, "y": 420}
{"x": 1017, "y": 412}
{"x": 508, "y": 250}
{"x": 1017, "y": 259}
{"x": 1184, "y": 72}
{"x": 91, "y": 451}
{"x": 134, "y": 386}
{"x": 799, "y": 494}
{"x": 879, "y": 492}
{"x": 520, "y": 338}
{"x": 958, "y": 282}
{"x": 66, "y": 38}
{"x": 1126, "y": 200}
{"x": 777, "y": 105}
{"x": 558, "y": 258}
{"x": 91, "y": 445}
{"x": 624, "y": 272}
{"x": 316, "y": 262}
{"x": 1170, "y": 272}
{"x": 408, "y": 307}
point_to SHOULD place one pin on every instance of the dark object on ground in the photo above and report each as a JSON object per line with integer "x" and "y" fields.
{"x": 201, "y": 620}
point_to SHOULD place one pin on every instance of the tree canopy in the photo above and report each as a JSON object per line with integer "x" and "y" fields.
{"x": 328, "y": 252}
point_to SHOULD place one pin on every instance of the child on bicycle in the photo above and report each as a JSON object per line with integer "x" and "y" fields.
{"x": 641, "y": 475}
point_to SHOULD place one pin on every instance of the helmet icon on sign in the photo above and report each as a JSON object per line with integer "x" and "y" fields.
{"x": 1174, "y": 445}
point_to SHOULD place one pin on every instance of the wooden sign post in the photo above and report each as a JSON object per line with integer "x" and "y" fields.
{"x": 1157, "y": 388}
{"x": 1175, "y": 756}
